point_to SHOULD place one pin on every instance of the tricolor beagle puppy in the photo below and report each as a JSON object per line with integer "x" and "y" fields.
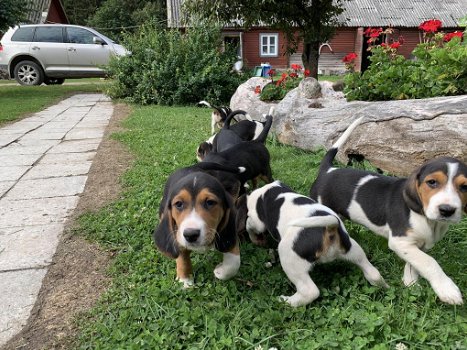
{"x": 218, "y": 115}
{"x": 412, "y": 213}
{"x": 197, "y": 214}
{"x": 229, "y": 135}
{"x": 251, "y": 155}
{"x": 308, "y": 233}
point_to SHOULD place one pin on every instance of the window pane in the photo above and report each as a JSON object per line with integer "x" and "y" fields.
{"x": 23, "y": 34}
{"x": 48, "y": 35}
{"x": 272, "y": 40}
{"x": 265, "y": 40}
{"x": 79, "y": 36}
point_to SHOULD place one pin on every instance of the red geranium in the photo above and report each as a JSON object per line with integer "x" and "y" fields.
{"x": 350, "y": 57}
{"x": 373, "y": 32}
{"x": 395, "y": 45}
{"x": 430, "y": 26}
{"x": 384, "y": 45}
{"x": 296, "y": 67}
{"x": 257, "y": 89}
{"x": 272, "y": 72}
{"x": 306, "y": 73}
{"x": 448, "y": 36}
{"x": 293, "y": 75}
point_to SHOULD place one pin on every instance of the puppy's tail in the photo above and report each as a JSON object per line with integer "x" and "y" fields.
{"x": 230, "y": 117}
{"x": 206, "y": 103}
{"x": 264, "y": 133}
{"x": 217, "y": 166}
{"x": 315, "y": 221}
{"x": 326, "y": 163}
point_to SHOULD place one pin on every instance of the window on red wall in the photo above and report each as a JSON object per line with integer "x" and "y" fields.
{"x": 268, "y": 45}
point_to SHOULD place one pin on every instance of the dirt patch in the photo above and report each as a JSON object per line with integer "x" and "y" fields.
{"x": 77, "y": 276}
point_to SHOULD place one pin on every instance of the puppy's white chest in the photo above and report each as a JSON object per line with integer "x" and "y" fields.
{"x": 426, "y": 232}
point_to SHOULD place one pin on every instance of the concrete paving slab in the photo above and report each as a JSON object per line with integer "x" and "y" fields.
{"x": 6, "y": 139}
{"x": 85, "y": 133}
{"x": 76, "y": 146}
{"x": 17, "y": 148}
{"x": 5, "y": 187}
{"x": 20, "y": 159}
{"x": 12, "y": 173}
{"x": 44, "y": 135}
{"x": 18, "y": 293}
{"x": 44, "y": 171}
{"x": 48, "y": 188}
{"x": 28, "y": 247}
{"x": 66, "y": 158}
{"x": 39, "y": 211}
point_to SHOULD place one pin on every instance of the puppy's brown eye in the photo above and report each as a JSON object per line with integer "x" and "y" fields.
{"x": 463, "y": 188}
{"x": 178, "y": 205}
{"x": 209, "y": 203}
{"x": 432, "y": 183}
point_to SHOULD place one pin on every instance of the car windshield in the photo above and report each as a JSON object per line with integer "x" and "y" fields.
{"x": 108, "y": 39}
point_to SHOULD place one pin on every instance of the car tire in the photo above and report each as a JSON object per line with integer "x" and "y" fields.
{"x": 54, "y": 81}
{"x": 28, "y": 73}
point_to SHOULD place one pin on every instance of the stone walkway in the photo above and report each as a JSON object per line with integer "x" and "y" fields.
{"x": 44, "y": 162}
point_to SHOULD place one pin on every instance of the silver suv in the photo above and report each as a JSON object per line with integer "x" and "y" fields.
{"x": 49, "y": 53}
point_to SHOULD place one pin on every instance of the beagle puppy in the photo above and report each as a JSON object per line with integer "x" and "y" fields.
{"x": 412, "y": 213}
{"x": 308, "y": 234}
{"x": 229, "y": 135}
{"x": 218, "y": 115}
{"x": 197, "y": 214}
{"x": 251, "y": 155}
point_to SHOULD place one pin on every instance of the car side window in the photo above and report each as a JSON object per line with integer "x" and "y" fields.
{"x": 24, "y": 34}
{"x": 80, "y": 36}
{"x": 49, "y": 35}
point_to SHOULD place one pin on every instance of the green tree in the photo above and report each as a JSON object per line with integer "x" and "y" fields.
{"x": 309, "y": 21}
{"x": 78, "y": 11}
{"x": 12, "y": 13}
{"x": 114, "y": 17}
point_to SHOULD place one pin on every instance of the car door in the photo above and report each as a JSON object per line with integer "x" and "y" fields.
{"x": 84, "y": 54}
{"x": 49, "y": 48}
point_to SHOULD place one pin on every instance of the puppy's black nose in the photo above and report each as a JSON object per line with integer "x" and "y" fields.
{"x": 446, "y": 210}
{"x": 191, "y": 234}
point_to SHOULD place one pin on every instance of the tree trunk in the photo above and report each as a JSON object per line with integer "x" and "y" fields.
{"x": 310, "y": 57}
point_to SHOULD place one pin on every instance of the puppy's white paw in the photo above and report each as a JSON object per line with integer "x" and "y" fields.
{"x": 298, "y": 299}
{"x": 228, "y": 268}
{"x": 187, "y": 282}
{"x": 448, "y": 292}
{"x": 410, "y": 275}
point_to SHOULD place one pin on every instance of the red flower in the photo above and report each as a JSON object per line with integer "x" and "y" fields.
{"x": 395, "y": 45}
{"x": 350, "y": 57}
{"x": 306, "y": 73}
{"x": 293, "y": 75}
{"x": 430, "y": 26}
{"x": 257, "y": 89}
{"x": 272, "y": 72}
{"x": 296, "y": 67}
{"x": 384, "y": 45}
{"x": 373, "y": 32}
{"x": 448, "y": 36}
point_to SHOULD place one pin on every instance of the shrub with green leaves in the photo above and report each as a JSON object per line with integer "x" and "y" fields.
{"x": 168, "y": 67}
{"x": 439, "y": 69}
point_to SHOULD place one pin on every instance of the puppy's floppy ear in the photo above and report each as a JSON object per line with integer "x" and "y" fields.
{"x": 226, "y": 237}
{"x": 164, "y": 235}
{"x": 410, "y": 192}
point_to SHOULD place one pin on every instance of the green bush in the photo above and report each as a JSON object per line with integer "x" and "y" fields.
{"x": 276, "y": 91}
{"x": 168, "y": 67}
{"x": 439, "y": 69}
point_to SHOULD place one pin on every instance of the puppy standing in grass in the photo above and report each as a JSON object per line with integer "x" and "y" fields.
{"x": 197, "y": 214}
{"x": 412, "y": 213}
{"x": 308, "y": 233}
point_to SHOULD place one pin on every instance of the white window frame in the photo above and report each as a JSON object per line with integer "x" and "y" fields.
{"x": 272, "y": 50}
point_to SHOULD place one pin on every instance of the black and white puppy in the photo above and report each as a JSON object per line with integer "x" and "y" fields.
{"x": 197, "y": 214}
{"x": 308, "y": 233}
{"x": 251, "y": 155}
{"x": 412, "y": 213}
{"x": 244, "y": 130}
{"x": 218, "y": 115}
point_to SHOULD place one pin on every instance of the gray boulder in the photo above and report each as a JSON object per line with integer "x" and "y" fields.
{"x": 396, "y": 136}
{"x": 246, "y": 99}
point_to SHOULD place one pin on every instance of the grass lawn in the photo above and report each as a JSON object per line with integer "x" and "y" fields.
{"x": 145, "y": 308}
{"x": 18, "y": 101}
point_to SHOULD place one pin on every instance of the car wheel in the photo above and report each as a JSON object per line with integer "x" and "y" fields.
{"x": 54, "y": 81}
{"x": 28, "y": 73}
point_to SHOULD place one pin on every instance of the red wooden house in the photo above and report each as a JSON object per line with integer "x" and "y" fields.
{"x": 263, "y": 45}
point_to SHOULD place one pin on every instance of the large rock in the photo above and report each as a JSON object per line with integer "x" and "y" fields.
{"x": 395, "y": 136}
{"x": 246, "y": 99}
